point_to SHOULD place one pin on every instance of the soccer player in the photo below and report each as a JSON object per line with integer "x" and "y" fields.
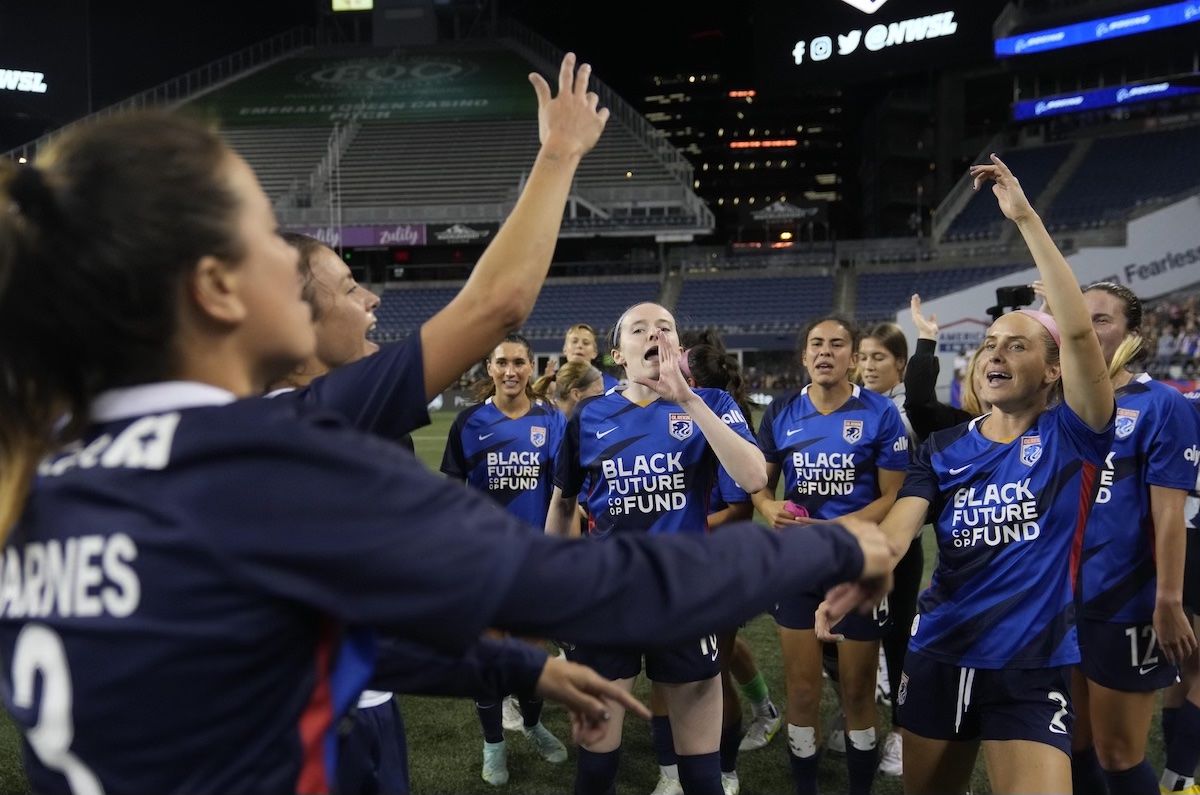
{"x": 922, "y": 410}
{"x": 650, "y": 453}
{"x": 882, "y": 361}
{"x": 505, "y": 446}
{"x": 994, "y": 639}
{"x": 1181, "y": 702}
{"x": 842, "y": 451}
{"x": 175, "y": 533}
{"x": 705, "y": 363}
{"x": 579, "y": 345}
{"x": 1133, "y": 630}
{"x": 570, "y": 384}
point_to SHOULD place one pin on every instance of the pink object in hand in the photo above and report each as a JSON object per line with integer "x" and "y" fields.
{"x": 799, "y": 511}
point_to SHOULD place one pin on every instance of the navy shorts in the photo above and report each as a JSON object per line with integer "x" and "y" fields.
{"x": 696, "y": 661}
{"x": 944, "y": 702}
{"x": 799, "y": 612}
{"x": 1124, "y": 657}
{"x": 372, "y": 752}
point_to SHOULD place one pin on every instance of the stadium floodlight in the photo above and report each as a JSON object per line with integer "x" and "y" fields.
{"x": 353, "y": 5}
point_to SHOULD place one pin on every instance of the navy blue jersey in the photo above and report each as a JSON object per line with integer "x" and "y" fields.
{"x": 1154, "y": 428}
{"x": 1009, "y": 520}
{"x": 648, "y": 468}
{"x": 171, "y": 596}
{"x": 830, "y": 462}
{"x": 512, "y": 460}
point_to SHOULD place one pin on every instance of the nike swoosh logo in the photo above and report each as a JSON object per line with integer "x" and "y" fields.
{"x": 1144, "y": 670}
{"x": 797, "y": 430}
{"x": 602, "y": 434}
{"x": 960, "y": 470}
{"x": 485, "y": 436}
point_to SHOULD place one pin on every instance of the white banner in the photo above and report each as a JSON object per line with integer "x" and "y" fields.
{"x": 1161, "y": 255}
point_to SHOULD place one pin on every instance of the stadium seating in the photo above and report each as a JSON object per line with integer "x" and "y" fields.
{"x": 279, "y": 154}
{"x": 560, "y": 305}
{"x": 882, "y": 294}
{"x": 1124, "y": 172}
{"x": 748, "y": 303}
{"x": 980, "y": 220}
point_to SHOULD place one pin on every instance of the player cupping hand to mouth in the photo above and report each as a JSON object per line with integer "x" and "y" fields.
{"x": 994, "y": 639}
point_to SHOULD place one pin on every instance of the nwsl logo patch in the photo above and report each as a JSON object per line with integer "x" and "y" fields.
{"x": 1126, "y": 419}
{"x": 537, "y": 436}
{"x": 852, "y": 431}
{"x": 680, "y": 426}
{"x": 1031, "y": 450}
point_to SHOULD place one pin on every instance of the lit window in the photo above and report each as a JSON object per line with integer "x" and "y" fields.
{"x": 695, "y": 183}
{"x": 628, "y": 175}
{"x": 736, "y": 200}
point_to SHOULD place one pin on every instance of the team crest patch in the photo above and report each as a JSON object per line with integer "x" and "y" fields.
{"x": 852, "y": 431}
{"x": 680, "y": 425}
{"x": 537, "y": 436}
{"x": 1031, "y": 450}
{"x": 902, "y": 693}
{"x": 1126, "y": 419}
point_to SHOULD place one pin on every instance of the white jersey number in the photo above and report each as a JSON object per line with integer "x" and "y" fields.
{"x": 39, "y": 650}
{"x": 1150, "y": 660}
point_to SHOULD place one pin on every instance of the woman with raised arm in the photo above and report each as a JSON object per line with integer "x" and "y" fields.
{"x": 650, "y": 453}
{"x": 192, "y": 536}
{"x": 924, "y": 411}
{"x": 994, "y": 638}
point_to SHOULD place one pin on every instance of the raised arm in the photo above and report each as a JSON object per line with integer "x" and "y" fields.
{"x": 505, "y": 283}
{"x": 1086, "y": 386}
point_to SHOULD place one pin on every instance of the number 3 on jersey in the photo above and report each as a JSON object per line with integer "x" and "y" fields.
{"x": 39, "y": 650}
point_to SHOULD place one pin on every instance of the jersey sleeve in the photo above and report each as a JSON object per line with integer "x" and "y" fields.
{"x": 382, "y": 394}
{"x": 568, "y": 470}
{"x": 491, "y": 668}
{"x": 921, "y": 480}
{"x": 1091, "y": 445}
{"x": 725, "y": 407}
{"x": 728, "y": 489}
{"x": 766, "y": 432}
{"x": 454, "y": 460}
{"x": 1175, "y": 434}
{"x": 893, "y": 440}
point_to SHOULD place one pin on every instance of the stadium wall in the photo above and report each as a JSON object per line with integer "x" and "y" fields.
{"x": 1161, "y": 255}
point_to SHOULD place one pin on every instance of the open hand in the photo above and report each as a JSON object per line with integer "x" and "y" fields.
{"x": 569, "y": 124}
{"x": 1008, "y": 192}
{"x": 587, "y": 695}
{"x": 927, "y": 327}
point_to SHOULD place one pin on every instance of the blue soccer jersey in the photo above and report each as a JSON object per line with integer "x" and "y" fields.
{"x": 830, "y": 462}
{"x": 648, "y": 468}
{"x": 171, "y": 597}
{"x": 1154, "y": 428}
{"x": 1009, "y": 520}
{"x": 510, "y": 459}
{"x": 725, "y": 492}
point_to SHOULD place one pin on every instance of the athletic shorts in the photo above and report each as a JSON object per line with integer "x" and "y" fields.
{"x": 800, "y": 613}
{"x": 372, "y": 752}
{"x": 945, "y": 702}
{"x": 696, "y": 661}
{"x": 1191, "y": 572}
{"x": 1124, "y": 657}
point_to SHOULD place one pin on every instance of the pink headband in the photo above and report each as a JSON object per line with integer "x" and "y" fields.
{"x": 1047, "y": 322}
{"x": 683, "y": 363}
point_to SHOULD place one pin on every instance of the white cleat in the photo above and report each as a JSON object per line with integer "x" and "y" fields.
{"x": 667, "y": 786}
{"x": 836, "y": 744}
{"x": 891, "y": 760}
{"x": 730, "y": 784}
{"x": 761, "y": 731}
{"x": 513, "y": 721}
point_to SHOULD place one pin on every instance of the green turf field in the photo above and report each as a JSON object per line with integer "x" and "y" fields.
{"x": 445, "y": 744}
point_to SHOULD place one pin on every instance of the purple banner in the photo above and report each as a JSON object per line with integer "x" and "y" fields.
{"x": 373, "y": 235}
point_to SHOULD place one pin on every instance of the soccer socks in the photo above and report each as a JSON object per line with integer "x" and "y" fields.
{"x": 1183, "y": 749}
{"x": 756, "y": 691}
{"x": 1087, "y": 777}
{"x": 531, "y": 709}
{"x": 731, "y": 738}
{"x": 802, "y": 753}
{"x": 596, "y": 774}
{"x": 862, "y": 757}
{"x": 664, "y": 741}
{"x": 491, "y": 718}
{"x": 700, "y": 774}
{"x": 1168, "y": 724}
{"x": 1137, "y": 780}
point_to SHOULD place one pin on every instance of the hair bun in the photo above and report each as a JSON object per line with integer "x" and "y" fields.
{"x": 31, "y": 195}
